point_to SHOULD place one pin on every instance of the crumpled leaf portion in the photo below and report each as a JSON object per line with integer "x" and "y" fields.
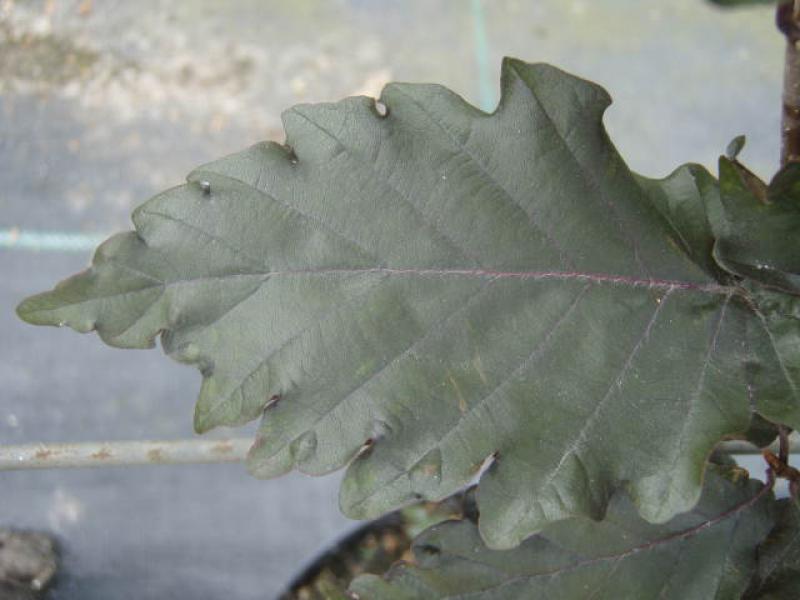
{"x": 708, "y": 553}
{"x": 779, "y": 557}
{"x": 439, "y": 287}
{"x": 758, "y": 239}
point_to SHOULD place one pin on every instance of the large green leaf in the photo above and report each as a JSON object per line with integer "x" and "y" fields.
{"x": 452, "y": 286}
{"x": 708, "y": 553}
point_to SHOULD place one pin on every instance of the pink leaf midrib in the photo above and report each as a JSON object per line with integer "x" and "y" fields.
{"x": 626, "y": 280}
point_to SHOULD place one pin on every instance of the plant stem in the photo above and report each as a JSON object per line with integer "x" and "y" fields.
{"x": 788, "y": 21}
{"x": 783, "y": 440}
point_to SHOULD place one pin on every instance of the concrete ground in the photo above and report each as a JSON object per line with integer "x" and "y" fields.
{"x": 104, "y": 103}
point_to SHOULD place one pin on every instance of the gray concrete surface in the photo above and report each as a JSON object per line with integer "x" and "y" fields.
{"x": 104, "y": 103}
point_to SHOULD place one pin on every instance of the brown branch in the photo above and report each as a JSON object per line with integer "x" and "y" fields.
{"x": 788, "y": 22}
{"x": 779, "y": 465}
{"x": 783, "y": 440}
{"x": 779, "y": 468}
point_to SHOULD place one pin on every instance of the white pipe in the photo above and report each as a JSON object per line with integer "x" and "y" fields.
{"x": 168, "y": 452}
{"x": 124, "y": 453}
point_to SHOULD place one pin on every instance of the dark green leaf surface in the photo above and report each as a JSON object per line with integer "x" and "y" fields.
{"x": 452, "y": 286}
{"x": 709, "y": 553}
{"x": 761, "y": 432}
{"x": 779, "y": 557}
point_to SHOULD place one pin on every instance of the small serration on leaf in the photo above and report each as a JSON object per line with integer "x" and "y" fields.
{"x": 708, "y": 553}
{"x": 453, "y": 287}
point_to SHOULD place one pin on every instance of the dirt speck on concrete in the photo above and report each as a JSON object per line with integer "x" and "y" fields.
{"x": 43, "y": 58}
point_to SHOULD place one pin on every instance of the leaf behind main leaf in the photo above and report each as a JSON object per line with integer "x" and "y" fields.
{"x": 448, "y": 286}
{"x": 708, "y": 553}
{"x": 779, "y": 557}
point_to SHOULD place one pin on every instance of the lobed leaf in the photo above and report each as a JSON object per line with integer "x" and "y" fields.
{"x": 413, "y": 295}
